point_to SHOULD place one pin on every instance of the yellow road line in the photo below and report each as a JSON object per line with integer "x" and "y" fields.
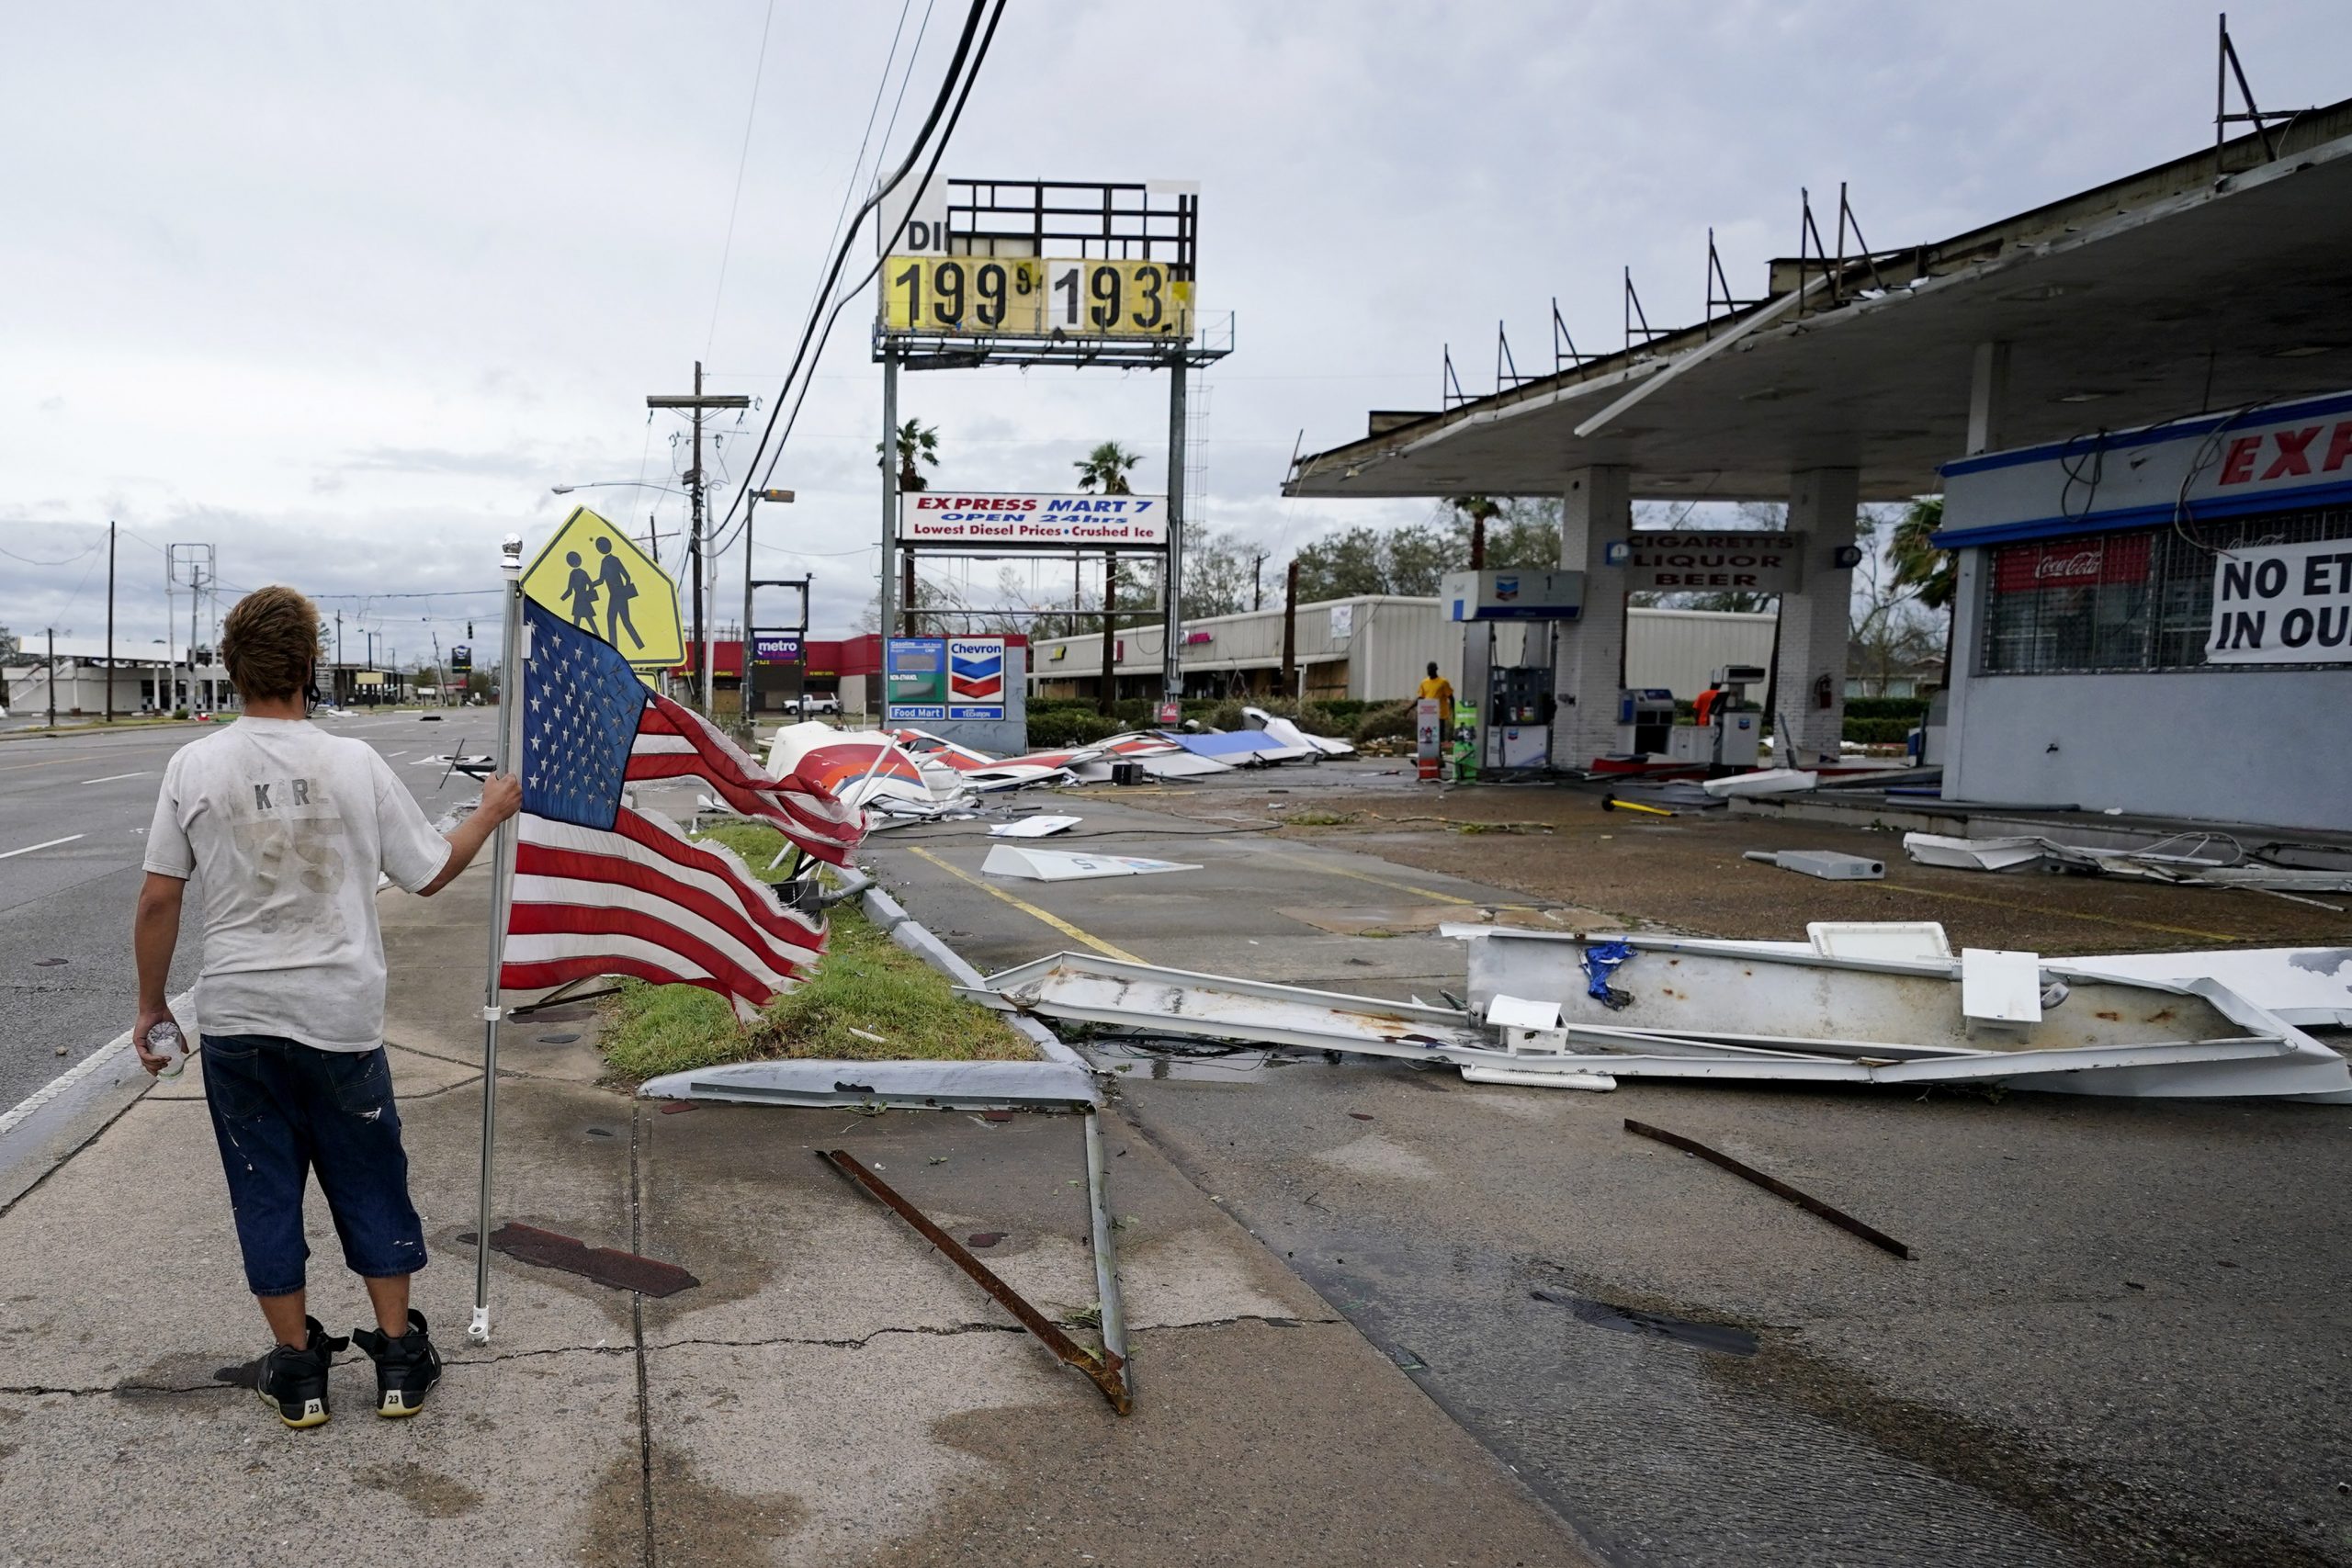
{"x": 1381, "y": 881}
{"x": 52, "y": 762}
{"x": 2071, "y": 914}
{"x": 1097, "y": 943}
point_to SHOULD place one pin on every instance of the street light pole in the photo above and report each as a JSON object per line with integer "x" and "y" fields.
{"x": 750, "y": 502}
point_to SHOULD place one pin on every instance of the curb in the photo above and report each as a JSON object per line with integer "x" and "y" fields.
{"x": 57, "y": 1120}
{"x": 917, "y": 938}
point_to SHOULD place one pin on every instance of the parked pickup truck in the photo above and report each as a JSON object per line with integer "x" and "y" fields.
{"x": 813, "y": 705}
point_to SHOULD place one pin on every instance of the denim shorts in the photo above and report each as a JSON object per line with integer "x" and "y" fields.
{"x": 282, "y": 1109}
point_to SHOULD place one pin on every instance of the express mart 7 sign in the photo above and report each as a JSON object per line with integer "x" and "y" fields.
{"x": 1032, "y": 297}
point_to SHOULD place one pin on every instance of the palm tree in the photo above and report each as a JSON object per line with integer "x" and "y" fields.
{"x": 1108, "y": 465}
{"x": 918, "y": 447}
{"x": 1933, "y": 573}
{"x": 1478, "y": 511}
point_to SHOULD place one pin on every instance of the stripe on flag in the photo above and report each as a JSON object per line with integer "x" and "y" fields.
{"x": 676, "y": 742}
{"x": 640, "y": 899}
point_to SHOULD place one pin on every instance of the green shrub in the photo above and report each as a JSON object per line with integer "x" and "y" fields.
{"x": 1877, "y": 731}
{"x": 1388, "y": 721}
{"x": 1058, "y": 728}
{"x": 1910, "y": 708}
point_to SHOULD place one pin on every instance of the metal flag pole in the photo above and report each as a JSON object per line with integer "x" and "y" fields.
{"x": 502, "y": 872}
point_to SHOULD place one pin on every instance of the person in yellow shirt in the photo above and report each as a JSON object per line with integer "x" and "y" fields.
{"x": 1438, "y": 686}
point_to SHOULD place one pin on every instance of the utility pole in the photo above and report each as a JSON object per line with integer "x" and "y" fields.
{"x": 195, "y": 599}
{"x": 109, "y": 621}
{"x": 335, "y": 695}
{"x": 1171, "y": 575}
{"x": 1258, "y": 581}
{"x": 697, "y": 546}
{"x": 52, "y": 681}
{"x": 1109, "y": 644}
{"x": 889, "y": 506}
{"x": 1290, "y": 629}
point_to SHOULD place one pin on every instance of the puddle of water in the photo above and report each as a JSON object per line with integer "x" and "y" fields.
{"x": 1631, "y": 1320}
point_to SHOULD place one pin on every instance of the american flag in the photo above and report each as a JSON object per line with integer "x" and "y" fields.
{"x": 600, "y": 889}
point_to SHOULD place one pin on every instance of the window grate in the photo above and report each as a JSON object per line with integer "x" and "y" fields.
{"x": 2139, "y": 599}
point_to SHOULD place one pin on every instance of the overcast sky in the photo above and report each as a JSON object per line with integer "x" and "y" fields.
{"x": 344, "y": 289}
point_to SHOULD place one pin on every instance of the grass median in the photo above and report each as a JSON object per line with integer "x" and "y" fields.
{"x": 870, "y": 999}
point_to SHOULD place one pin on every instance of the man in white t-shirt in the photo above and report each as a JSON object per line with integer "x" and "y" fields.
{"x": 287, "y": 828}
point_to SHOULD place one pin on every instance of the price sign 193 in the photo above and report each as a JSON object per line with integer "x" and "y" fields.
{"x": 1117, "y": 298}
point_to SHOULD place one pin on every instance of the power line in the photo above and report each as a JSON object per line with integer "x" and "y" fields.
{"x": 938, "y": 149}
{"x": 742, "y": 161}
{"x": 841, "y": 255}
{"x": 881, "y": 85}
{"x": 69, "y": 560}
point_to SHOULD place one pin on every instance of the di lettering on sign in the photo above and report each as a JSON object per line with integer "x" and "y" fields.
{"x": 2282, "y": 604}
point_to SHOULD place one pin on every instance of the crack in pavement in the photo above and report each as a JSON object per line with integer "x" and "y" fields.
{"x": 35, "y": 1390}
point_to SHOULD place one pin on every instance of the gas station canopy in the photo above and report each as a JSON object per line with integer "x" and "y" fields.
{"x": 2210, "y": 282}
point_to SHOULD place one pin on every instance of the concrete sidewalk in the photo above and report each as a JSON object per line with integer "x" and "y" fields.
{"x": 830, "y": 1392}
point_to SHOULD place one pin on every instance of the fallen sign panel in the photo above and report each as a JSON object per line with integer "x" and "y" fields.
{"x": 1062, "y": 865}
{"x": 1700, "y": 1008}
{"x": 1036, "y": 827}
{"x": 905, "y": 1085}
{"x": 2192, "y": 1038}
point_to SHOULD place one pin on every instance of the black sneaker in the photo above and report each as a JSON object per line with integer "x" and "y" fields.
{"x": 295, "y": 1381}
{"x": 406, "y": 1367}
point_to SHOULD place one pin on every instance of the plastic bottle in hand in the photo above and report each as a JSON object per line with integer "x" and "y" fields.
{"x": 165, "y": 1040}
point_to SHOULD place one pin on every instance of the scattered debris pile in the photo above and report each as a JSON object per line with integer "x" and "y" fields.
{"x": 2195, "y": 859}
{"x": 903, "y": 775}
{"x": 1856, "y": 1003}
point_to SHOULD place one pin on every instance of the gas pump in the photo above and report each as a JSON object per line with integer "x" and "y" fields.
{"x": 1519, "y": 721}
{"x": 1730, "y": 731}
{"x": 1645, "y": 721}
{"x": 1515, "y": 701}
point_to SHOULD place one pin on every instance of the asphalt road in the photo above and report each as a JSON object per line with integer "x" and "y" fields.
{"x": 2121, "y": 1340}
{"x": 73, "y": 816}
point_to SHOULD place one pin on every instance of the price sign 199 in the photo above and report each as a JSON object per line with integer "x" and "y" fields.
{"x": 963, "y": 294}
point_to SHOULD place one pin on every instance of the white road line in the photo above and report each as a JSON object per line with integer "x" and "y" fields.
{"x": 11, "y": 854}
{"x": 106, "y": 1056}
{"x": 112, "y": 777}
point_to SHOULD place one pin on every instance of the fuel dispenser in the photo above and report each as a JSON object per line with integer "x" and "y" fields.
{"x": 1645, "y": 721}
{"x": 1728, "y": 734}
{"x": 1519, "y": 721}
{"x": 1731, "y": 731}
{"x": 1505, "y": 715}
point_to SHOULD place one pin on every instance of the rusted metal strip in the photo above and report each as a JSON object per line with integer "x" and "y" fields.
{"x": 1773, "y": 1185}
{"x": 1105, "y": 1371}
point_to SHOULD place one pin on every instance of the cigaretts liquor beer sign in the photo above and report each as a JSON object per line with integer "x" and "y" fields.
{"x": 1032, "y": 521}
{"x": 1737, "y": 560}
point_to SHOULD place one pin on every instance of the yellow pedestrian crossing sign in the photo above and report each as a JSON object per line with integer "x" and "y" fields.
{"x": 593, "y": 576}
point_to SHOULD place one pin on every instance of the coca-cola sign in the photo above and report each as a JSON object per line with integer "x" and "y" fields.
{"x": 2071, "y": 563}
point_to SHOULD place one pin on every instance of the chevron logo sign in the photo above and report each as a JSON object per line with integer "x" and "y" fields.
{"x": 976, "y": 678}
